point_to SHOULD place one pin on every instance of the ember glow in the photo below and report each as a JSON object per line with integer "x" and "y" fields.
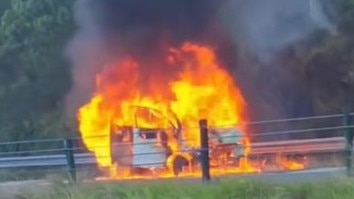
{"x": 199, "y": 89}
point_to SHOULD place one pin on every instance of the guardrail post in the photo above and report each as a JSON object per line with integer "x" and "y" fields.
{"x": 204, "y": 151}
{"x": 348, "y": 134}
{"x": 70, "y": 159}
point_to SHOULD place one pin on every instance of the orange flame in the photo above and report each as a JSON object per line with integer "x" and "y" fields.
{"x": 201, "y": 89}
{"x": 289, "y": 164}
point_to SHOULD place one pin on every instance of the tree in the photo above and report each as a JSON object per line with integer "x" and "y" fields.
{"x": 4, "y": 4}
{"x": 34, "y": 76}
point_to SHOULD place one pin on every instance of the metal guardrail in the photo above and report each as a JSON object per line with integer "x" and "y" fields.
{"x": 293, "y": 146}
{"x": 45, "y": 161}
{"x": 299, "y": 146}
{"x": 65, "y": 157}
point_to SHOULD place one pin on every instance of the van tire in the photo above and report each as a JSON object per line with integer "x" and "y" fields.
{"x": 178, "y": 164}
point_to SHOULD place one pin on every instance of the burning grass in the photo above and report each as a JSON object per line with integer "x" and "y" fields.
{"x": 225, "y": 189}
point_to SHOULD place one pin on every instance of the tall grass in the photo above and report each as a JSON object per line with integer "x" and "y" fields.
{"x": 225, "y": 189}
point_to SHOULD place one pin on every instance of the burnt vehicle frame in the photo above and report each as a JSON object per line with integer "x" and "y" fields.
{"x": 147, "y": 149}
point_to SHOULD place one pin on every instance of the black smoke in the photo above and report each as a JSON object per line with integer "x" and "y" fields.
{"x": 139, "y": 25}
{"x": 144, "y": 29}
{"x": 240, "y": 30}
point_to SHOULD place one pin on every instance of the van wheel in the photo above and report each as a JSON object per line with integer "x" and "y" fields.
{"x": 178, "y": 164}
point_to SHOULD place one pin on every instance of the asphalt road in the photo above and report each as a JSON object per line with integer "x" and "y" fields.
{"x": 11, "y": 189}
{"x": 314, "y": 175}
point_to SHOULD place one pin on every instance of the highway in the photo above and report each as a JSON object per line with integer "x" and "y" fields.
{"x": 285, "y": 147}
{"x": 327, "y": 145}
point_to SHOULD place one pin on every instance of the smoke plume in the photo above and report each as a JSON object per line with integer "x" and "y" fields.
{"x": 262, "y": 30}
{"x": 112, "y": 28}
{"x": 264, "y": 27}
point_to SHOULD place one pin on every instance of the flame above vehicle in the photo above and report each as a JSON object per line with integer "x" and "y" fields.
{"x": 198, "y": 88}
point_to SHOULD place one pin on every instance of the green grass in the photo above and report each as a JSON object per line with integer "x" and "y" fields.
{"x": 226, "y": 189}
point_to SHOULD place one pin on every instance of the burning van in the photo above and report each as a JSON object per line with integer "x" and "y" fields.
{"x": 142, "y": 139}
{"x": 145, "y": 149}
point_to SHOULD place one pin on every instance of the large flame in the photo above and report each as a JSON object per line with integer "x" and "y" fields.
{"x": 200, "y": 89}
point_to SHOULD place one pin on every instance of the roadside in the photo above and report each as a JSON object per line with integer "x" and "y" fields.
{"x": 43, "y": 187}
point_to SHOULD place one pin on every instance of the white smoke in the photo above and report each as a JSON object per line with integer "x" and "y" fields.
{"x": 86, "y": 53}
{"x": 264, "y": 27}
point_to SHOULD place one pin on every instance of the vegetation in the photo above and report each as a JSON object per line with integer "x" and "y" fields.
{"x": 35, "y": 76}
{"x": 228, "y": 189}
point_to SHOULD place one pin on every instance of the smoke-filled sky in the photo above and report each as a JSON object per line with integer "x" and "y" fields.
{"x": 135, "y": 25}
{"x": 263, "y": 29}
{"x": 265, "y": 26}
{"x": 109, "y": 28}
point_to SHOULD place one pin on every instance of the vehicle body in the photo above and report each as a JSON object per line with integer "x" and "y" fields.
{"x": 148, "y": 149}
{"x": 226, "y": 146}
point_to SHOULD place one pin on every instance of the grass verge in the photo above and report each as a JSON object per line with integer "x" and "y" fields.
{"x": 225, "y": 189}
